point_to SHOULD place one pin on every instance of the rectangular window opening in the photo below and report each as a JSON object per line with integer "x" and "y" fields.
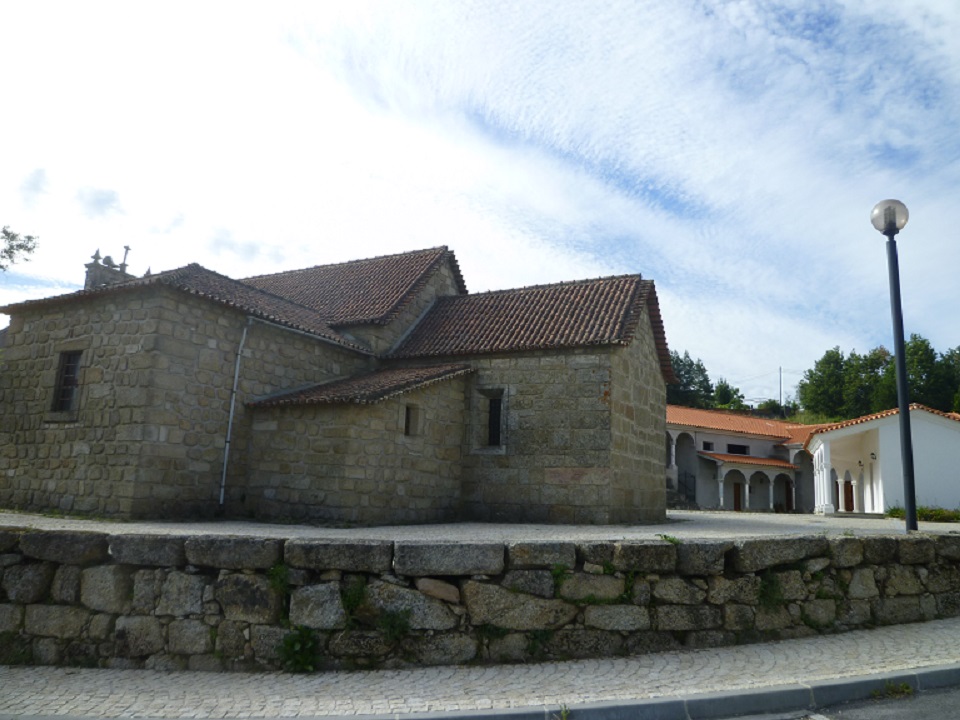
{"x": 707, "y": 445}
{"x": 411, "y": 420}
{"x": 738, "y": 449}
{"x": 494, "y": 419}
{"x": 68, "y": 377}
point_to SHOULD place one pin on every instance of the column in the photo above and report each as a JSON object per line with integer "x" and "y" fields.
{"x": 793, "y": 495}
{"x": 841, "y": 493}
{"x": 772, "y": 483}
{"x": 720, "y": 484}
{"x": 856, "y": 498}
{"x": 746, "y": 492}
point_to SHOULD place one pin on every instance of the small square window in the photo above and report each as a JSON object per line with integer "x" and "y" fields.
{"x": 68, "y": 380}
{"x": 707, "y": 445}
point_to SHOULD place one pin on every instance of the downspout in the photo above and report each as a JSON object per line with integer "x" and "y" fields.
{"x": 233, "y": 406}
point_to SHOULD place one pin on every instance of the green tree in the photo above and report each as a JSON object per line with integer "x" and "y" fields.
{"x": 862, "y": 376}
{"x": 15, "y": 247}
{"x": 693, "y": 388}
{"x": 930, "y": 377}
{"x": 821, "y": 390}
{"x": 728, "y": 397}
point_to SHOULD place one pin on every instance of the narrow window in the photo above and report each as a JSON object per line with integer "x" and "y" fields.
{"x": 707, "y": 445}
{"x": 64, "y": 394}
{"x": 738, "y": 449}
{"x": 494, "y": 417}
{"x": 411, "y": 420}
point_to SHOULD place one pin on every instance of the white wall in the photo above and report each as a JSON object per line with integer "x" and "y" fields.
{"x": 936, "y": 460}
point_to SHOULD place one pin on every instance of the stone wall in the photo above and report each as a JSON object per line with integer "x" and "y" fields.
{"x": 352, "y": 463}
{"x": 249, "y": 603}
{"x": 146, "y": 436}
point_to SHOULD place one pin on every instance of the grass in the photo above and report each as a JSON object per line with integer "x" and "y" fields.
{"x": 927, "y": 514}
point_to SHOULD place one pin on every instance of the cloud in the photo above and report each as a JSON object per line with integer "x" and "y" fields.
{"x": 33, "y": 186}
{"x": 98, "y": 203}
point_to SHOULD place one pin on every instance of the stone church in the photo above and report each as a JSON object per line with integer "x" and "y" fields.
{"x": 369, "y": 392}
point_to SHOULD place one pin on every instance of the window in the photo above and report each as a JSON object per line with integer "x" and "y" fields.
{"x": 707, "y": 445}
{"x": 68, "y": 375}
{"x": 738, "y": 449}
{"x": 494, "y": 419}
{"x": 411, "y": 420}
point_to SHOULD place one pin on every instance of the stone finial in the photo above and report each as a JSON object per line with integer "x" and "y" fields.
{"x": 96, "y": 256}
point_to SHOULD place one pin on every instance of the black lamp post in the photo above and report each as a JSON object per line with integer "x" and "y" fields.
{"x": 889, "y": 217}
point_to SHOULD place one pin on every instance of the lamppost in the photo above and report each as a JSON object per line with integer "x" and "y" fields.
{"x": 889, "y": 217}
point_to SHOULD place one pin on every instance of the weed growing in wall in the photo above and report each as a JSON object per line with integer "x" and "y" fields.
{"x": 298, "y": 651}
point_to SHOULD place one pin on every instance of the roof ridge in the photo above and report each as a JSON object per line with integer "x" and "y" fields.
{"x": 549, "y": 286}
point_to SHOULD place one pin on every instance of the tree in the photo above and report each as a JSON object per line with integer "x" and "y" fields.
{"x": 693, "y": 388}
{"x": 862, "y": 381}
{"x": 727, "y": 397}
{"x": 930, "y": 377}
{"x": 821, "y": 390}
{"x": 15, "y": 247}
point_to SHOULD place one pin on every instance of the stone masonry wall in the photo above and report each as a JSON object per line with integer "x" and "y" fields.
{"x": 553, "y": 462}
{"x": 638, "y": 426}
{"x": 251, "y": 603}
{"x": 147, "y": 436}
{"x": 353, "y": 463}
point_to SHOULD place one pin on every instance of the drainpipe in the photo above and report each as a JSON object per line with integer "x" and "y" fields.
{"x": 233, "y": 405}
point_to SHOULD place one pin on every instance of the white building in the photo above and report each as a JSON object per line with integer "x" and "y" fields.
{"x": 858, "y": 465}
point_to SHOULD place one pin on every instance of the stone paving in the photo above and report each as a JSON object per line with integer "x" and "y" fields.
{"x": 46, "y": 692}
{"x": 50, "y": 692}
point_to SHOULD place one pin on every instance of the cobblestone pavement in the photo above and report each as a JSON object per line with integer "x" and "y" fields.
{"x": 37, "y": 692}
{"x": 680, "y": 523}
{"x": 48, "y": 692}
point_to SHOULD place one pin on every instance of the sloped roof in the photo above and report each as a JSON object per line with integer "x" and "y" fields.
{"x": 373, "y": 290}
{"x": 731, "y": 422}
{"x": 204, "y": 283}
{"x": 604, "y": 311}
{"x": 820, "y": 429}
{"x": 748, "y": 460}
{"x": 368, "y": 388}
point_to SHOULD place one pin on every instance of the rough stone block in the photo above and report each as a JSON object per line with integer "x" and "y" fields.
{"x": 744, "y": 590}
{"x": 107, "y": 588}
{"x": 181, "y": 594}
{"x": 583, "y": 643}
{"x": 249, "y": 598}
{"x": 233, "y": 553}
{"x": 65, "y": 588}
{"x": 419, "y": 559}
{"x": 65, "y": 547}
{"x": 55, "y": 621}
{"x": 702, "y": 558}
{"x": 772, "y": 618}
{"x": 189, "y": 637}
{"x": 820, "y": 614}
{"x": 687, "y": 617}
{"x": 445, "y": 649}
{"x": 534, "y": 555}
{"x": 862, "y": 585}
{"x": 423, "y": 613}
{"x": 846, "y": 552}
{"x": 11, "y": 618}
{"x": 534, "y": 582}
{"x": 266, "y": 641}
{"x": 879, "y": 550}
{"x": 948, "y": 547}
{"x": 677, "y": 591}
{"x": 438, "y": 589}
{"x": 492, "y": 605}
{"x": 359, "y": 644}
{"x": 138, "y": 636}
{"x": 892, "y": 611}
{"x": 318, "y": 606}
{"x": 759, "y": 554}
{"x": 738, "y": 617}
{"x": 581, "y": 586}
{"x": 620, "y": 618}
{"x": 148, "y": 550}
{"x": 645, "y": 557}
{"x": 916, "y": 550}
{"x": 901, "y": 581}
{"x": 372, "y": 556}
{"x": 28, "y": 583}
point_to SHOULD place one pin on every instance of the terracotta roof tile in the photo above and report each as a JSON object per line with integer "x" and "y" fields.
{"x": 204, "y": 283}
{"x": 748, "y": 460}
{"x": 605, "y": 311}
{"x": 878, "y": 416}
{"x": 361, "y": 291}
{"x": 731, "y": 422}
{"x": 370, "y": 387}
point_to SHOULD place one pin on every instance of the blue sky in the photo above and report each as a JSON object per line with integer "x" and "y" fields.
{"x": 730, "y": 151}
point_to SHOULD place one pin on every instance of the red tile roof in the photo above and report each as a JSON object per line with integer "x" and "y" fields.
{"x": 749, "y": 460}
{"x": 605, "y": 311}
{"x": 361, "y": 291}
{"x": 731, "y": 422}
{"x": 877, "y": 416}
{"x": 199, "y": 281}
{"x": 371, "y": 387}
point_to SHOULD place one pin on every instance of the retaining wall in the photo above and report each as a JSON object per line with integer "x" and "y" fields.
{"x": 249, "y": 603}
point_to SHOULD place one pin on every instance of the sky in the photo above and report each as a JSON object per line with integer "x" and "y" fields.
{"x": 729, "y": 151}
